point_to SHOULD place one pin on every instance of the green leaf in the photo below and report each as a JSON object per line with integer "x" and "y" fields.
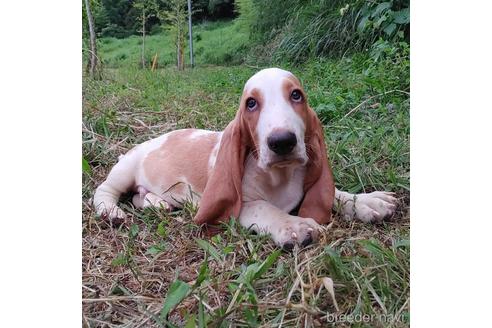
{"x": 191, "y": 322}
{"x": 133, "y": 231}
{"x": 390, "y": 29}
{"x": 161, "y": 229}
{"x": 155, "y": 249}
{"x": 270, "y": 260}
{"x": 216, "y": 239}
{"x": 380, "y": 8}
{"x": 405, "y": 243}
{"x": 120, "y": 259}
{"x": 176, "y": 293}
{"x": 380, "y": 21}
{"x": 202, "y": 274}
{"x": 85, "y": 166}
{"x": 255, "y": 270}
{"x": 117, "y": 290}
{"x": 251, "y": 317}
{"x": 201, "y": 312}
{"x": 363, "y": 23}
{"x": 228, "y": 249}
{"x": 209, "y": 248}
{"x": 402, "y": 16}
{"x": 249, "y": 273}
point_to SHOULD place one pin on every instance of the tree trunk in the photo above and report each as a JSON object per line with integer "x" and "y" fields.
{"x": 92, "y": 63}
{"x": 143, "y": 38}
{"x": 190, "y": 33}
{"x": 180, "y": 46}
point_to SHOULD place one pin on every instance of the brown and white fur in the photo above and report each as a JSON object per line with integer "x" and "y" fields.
{"x": 270, "y": 160}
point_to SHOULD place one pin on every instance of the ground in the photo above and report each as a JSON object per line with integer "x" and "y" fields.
{"x": 134, "y": 274}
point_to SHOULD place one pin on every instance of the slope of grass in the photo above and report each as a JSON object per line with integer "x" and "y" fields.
{"x": 232, "y": 278}
{"x": 214, "y": 43}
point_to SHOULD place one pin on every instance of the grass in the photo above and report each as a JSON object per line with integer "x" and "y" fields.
{"x": 159, "y": 269}
{"x": 214, "y": 43}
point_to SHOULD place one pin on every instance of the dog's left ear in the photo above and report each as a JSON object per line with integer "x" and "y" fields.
{"x": 319, "y": 188}
{"x": 222, "y": 196}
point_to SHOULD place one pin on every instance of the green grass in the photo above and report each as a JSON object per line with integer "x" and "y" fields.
{"x": 214, "y": 43}
{"x": 160, "y": 269}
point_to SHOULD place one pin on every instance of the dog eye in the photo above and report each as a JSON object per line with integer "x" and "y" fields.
{"x": 251, "y": 104}
{"x": 296, "y": 95}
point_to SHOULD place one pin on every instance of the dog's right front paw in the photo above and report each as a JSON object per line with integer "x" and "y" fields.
{"x": 296, "y": 231}
{"x": 114, "y": 214}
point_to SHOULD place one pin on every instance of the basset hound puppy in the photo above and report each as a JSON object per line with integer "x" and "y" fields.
{"x": 270, "y": 160}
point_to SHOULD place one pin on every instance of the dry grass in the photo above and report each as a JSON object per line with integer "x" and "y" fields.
{"x": 132, "y": 295}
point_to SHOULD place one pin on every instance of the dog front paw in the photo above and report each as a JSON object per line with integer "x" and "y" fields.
{"x": 113, "y": 214}
{"x": 296, "y": 231}
{"x": 375, "y": 206}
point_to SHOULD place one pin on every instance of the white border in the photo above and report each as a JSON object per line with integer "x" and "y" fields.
{"x": 450, "y": 163}
{"x": 40, "y": 102}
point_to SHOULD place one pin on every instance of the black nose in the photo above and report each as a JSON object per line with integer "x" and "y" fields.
{"x": 282, "y": 142}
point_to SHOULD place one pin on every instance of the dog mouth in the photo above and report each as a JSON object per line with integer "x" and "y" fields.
{"x": 286, "y": 162}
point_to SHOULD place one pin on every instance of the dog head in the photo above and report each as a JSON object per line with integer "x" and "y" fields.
{"x": 274, "y": 124}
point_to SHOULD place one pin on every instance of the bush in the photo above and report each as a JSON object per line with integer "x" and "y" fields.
{"x": 155, "y": 29}
{"x": 113, "y": 30}
{"x": 296, "y": 30}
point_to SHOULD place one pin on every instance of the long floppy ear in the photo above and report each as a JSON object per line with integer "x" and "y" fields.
{"x": 319, "y": 188}
{"x": 222, "y": 195}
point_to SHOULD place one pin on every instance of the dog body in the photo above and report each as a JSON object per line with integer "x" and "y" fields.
{"x": 270, "y": 160}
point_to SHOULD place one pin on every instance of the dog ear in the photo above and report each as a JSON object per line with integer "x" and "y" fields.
{"x": 222, "y": 196}
{"x": 319, "y": 188}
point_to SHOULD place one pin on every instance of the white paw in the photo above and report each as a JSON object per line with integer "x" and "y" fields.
{"x": 111, "y": 213}
{"x": 375, "y": 206}
{"x": 295, "y": 230}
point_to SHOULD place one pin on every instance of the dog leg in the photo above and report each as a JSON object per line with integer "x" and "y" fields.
{"x": 120, "y": 180}
{"x": 286, "y": 230}
{"x": 372, "y": 207}
{"x": 144, "y": 199}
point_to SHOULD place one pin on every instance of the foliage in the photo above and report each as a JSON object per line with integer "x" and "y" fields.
{"x": 145, "y": 9}
{"x": 295, "y": 30}
{"x": 270, "y": 31}
{"x": 220, "y": 8}
{"x": 247, "y": 14}
{"x": 219, "y": 43}
{"x": 177, "y": 292}
{"x": 390, "y": 17}
{"x": 176, "y": 19}
{"x": 121, "y": 19}
{"x": 116, "y": 18}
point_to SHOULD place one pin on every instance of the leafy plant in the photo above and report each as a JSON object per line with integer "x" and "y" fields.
{"x": 175, "y": 18}
{"x": 376, "y": 17}
{"x": 176, "y": 293}
{"x": 86, "y": 168}
{"x": 296, "y": 30}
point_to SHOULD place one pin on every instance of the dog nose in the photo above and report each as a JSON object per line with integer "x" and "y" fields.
{"x": 282, "y": 142}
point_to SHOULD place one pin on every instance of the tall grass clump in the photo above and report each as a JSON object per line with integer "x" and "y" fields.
{"x": 295, "y": 30}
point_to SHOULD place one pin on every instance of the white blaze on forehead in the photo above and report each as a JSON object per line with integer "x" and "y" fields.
{"x": 266, "y": 76}
{"x": 276, "y": 111}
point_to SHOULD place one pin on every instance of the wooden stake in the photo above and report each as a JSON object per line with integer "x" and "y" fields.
{"x": 154, "y": 62}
